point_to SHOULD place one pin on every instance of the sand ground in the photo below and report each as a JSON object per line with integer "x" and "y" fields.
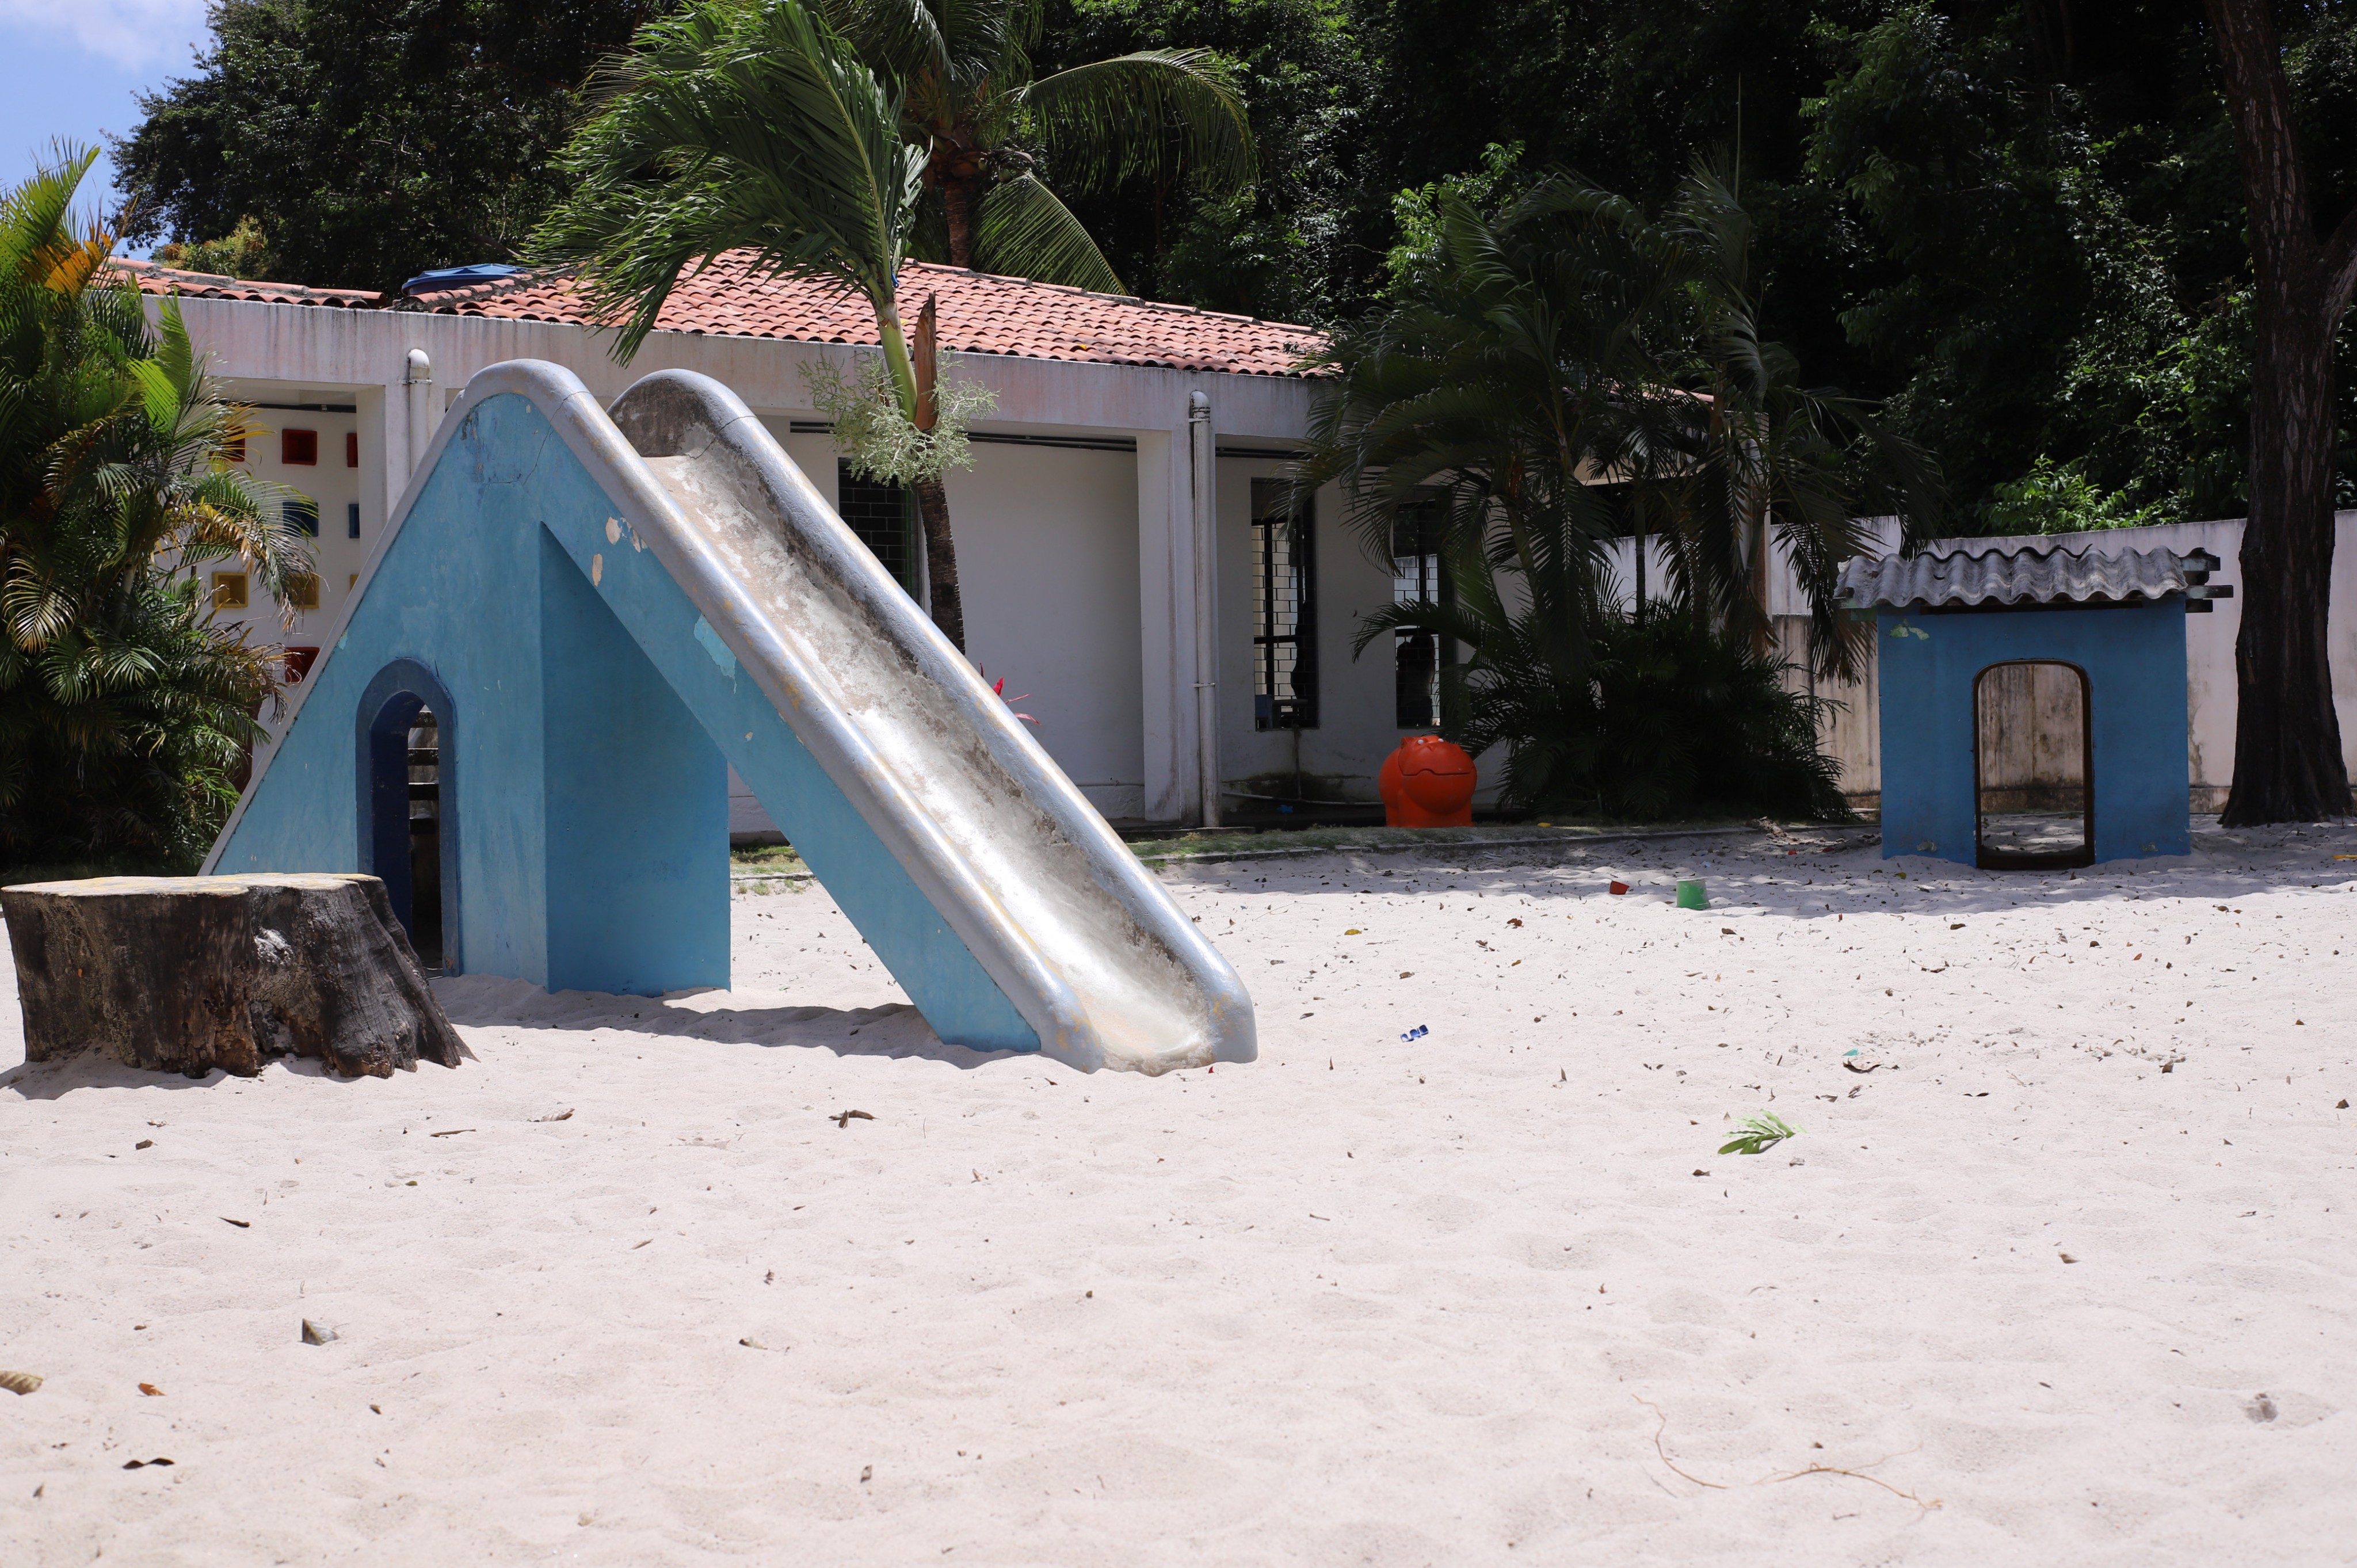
{"x": 2066, "y": 1276}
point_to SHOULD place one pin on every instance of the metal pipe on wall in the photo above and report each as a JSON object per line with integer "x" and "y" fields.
{"x": 1203, "y": 467}
{"x": 418, "y": 383}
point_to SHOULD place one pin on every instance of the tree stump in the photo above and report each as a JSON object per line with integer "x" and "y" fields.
{"x": 188, "y": 973}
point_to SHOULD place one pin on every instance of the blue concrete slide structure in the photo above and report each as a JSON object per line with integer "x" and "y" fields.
{"x": 606, "y": 610}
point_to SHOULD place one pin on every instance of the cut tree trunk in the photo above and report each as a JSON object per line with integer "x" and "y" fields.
{"x": 188, "y": 973}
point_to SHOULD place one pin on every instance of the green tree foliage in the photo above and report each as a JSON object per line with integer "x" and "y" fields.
{"x": 123, "y": 711}
{"x": 753, "y": 124}
{"x": 1290, "y": 245}
{"x": 990, "y": 129}
{"x": 370, "y": 139}
{"x": 1546, "y": 378}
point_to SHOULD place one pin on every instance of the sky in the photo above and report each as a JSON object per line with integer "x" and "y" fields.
{"x": 69, "y": 68}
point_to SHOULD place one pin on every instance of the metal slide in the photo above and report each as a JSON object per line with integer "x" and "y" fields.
{"x": 542, "y": 526}
{"x": 1086, "y": 945}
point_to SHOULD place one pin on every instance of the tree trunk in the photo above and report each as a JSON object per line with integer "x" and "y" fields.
{"x": 932, "y": 495}
{"x": 960, "y": 180}
{"x": 188, "y": 973}
{"x": 2288, "y": 765}
{"x": 2287, "y": 760}
{"x": 940, "y": 560}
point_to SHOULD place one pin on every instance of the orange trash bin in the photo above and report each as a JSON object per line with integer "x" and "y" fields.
{"x": 1427, "y": 783}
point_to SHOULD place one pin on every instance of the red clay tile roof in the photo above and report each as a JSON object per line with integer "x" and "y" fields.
{"x": 979, "y": 313}
{"x": 155, "y": 279}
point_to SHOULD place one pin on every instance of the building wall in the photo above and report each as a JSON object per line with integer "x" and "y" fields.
{"x": 1046, "y": 545}
{"x": 334, "y": 484}
{"x": 1339, "y": 756}
{"x": 1052, "y": 535}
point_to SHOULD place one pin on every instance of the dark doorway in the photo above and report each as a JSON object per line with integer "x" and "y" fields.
{"x": 425, "y": 838}
{"x": 2033, "y": 763}
{"x": 408, "y": 808}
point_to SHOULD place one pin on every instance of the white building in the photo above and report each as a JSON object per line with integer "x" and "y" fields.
{"x": 1118, "y": 548}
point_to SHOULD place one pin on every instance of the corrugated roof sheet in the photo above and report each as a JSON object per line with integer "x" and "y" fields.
{"x": 2025, "y": 577}
{"x": 978, "y": 313}
{"x": 154, "y": 279}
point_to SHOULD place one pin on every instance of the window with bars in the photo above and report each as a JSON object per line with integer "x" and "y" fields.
{"x": 884, "y": 516}
{"x": 1285, "y": 610}
{"x": 1418, "y": 656}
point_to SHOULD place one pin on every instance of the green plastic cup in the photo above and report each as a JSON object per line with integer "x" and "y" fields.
{"x": 1691, "y": 896}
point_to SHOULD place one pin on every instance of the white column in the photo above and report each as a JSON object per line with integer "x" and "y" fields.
{"x": 1167, "y": 625}
{"x": 1203, "y": 476}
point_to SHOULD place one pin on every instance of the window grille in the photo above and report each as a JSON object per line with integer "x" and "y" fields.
{"x": 301, "y": 514}
{"x": 1418, "y": 656}
{"x": 229, "y": 591}
{"x": 351, "y": 520}
{"x": 1285, "y": 610}
{"x": 351, "y": 448}
{"x": 299, "y": 448}
{"x": 883, "y": 516}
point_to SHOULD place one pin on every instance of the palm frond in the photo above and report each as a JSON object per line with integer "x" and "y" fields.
{"x": 751, "y": 126}
{"x": 1151, "y": 113}
{"x": 1023, "y": 229}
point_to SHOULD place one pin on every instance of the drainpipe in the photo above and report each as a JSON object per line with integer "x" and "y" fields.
{"x": 418, "y": 380}
{"x": 1203, "y": 464}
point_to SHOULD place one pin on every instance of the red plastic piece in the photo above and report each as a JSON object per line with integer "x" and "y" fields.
{"x": 1618, "y": 887}
{"x": 1427, "y": 783}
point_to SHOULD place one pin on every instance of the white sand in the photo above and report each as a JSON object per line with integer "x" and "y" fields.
{"x": 1444, "y": 1302}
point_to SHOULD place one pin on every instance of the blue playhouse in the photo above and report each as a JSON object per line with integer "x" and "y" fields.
{"x": 1946, "y": 625}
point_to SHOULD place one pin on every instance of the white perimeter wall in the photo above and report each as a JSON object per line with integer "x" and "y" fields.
{"x": 1853, "y": 738}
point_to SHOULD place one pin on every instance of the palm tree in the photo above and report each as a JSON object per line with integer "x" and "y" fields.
{"x": 123, "y": 710}
{"x": 1767, "y": 463}
{"x": 969, "y": 99}
{"x": 1570, "y": 372}
{"x": 756, "y": 127}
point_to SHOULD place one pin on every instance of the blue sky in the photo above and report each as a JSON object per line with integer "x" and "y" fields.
{"x": 69, "y": 68}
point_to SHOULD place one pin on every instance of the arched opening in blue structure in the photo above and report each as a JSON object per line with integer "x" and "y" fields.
{"x": 408, "y": 806}
{"x": 2033, "y": 765}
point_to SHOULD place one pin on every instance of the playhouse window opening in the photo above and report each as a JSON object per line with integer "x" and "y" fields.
{"x": 1284, "y": 609}
{"x": 1418, "y": 654}
{"x": 2034, "y": 788}
{"x": 425, "y": 838}
{"x": 883, "y": 516}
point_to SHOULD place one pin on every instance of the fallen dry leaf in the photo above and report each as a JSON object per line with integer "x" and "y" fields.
{"x": 848, "y": 1117}
{"x": 449, "y": 1132}
{"x": 316, "y": 1334}
{"x": 20, "y": 1382}
{"x": 241, "y": 1224}
{"x": 560, "y": 1116}
{"x": 151, "y": 1390}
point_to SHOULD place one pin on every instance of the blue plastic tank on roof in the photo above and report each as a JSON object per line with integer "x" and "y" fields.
{"x": 442, "y": 278}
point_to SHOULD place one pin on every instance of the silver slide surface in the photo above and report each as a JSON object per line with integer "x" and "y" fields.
{"x": 1086, "y": 945}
